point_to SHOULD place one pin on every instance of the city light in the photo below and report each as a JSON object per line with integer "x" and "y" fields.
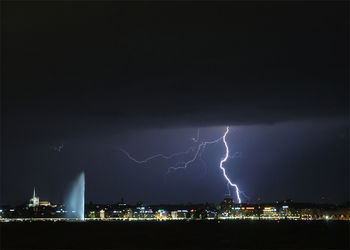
{"x": 226, "y": 210}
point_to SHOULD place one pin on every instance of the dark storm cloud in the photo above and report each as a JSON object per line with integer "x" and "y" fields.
{"x": 74, "y": 66}
{"x": 94, "y": 76}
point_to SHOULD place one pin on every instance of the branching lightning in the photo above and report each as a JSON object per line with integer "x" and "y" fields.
{"x": 198, "y": 149}
{"x": 167, "y": 157}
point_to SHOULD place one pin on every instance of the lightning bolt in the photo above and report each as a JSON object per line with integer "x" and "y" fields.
{"x": 224, "y": 170}
{"x": 166, "y": 157}
{"x": 198, "y": 155}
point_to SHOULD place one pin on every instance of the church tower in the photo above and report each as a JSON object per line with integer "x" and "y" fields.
{"x": 34, "y": 201}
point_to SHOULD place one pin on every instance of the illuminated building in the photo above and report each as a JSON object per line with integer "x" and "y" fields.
{"x": 173, "y": 214}
{"x": 179, "y": 214}
{"x": 129, "y": 213}
{"x": 34, "y": 201}
{"x": 102, "y": 214}
{"x": 92, "y": 214}
{"x": 182, "y": 213}
{"x": 226, "y": 205}
{"x": 270, "y": 212}
{"x": 161, "y": 214}
{"x": 285, "y": 211}
{"x": 44, "y": 203}
{"x": 306, "y": 214}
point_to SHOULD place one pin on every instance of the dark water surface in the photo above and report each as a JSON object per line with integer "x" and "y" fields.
{"x": 176, "y": 234}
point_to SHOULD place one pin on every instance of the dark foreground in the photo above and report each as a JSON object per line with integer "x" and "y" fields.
{"x": 176, "y": 234}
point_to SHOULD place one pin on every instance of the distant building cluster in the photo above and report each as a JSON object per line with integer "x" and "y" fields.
{"x": 35, "y": 202}
{"x": 227, "y": 210}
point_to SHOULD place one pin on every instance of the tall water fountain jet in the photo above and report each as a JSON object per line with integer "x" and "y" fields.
{"x": 75, "y": 202}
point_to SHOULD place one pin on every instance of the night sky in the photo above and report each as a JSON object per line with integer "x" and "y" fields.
{"x": 81, "y": 80}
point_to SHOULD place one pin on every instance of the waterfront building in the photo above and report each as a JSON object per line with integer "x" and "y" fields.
{"x": 102, "y": 214}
